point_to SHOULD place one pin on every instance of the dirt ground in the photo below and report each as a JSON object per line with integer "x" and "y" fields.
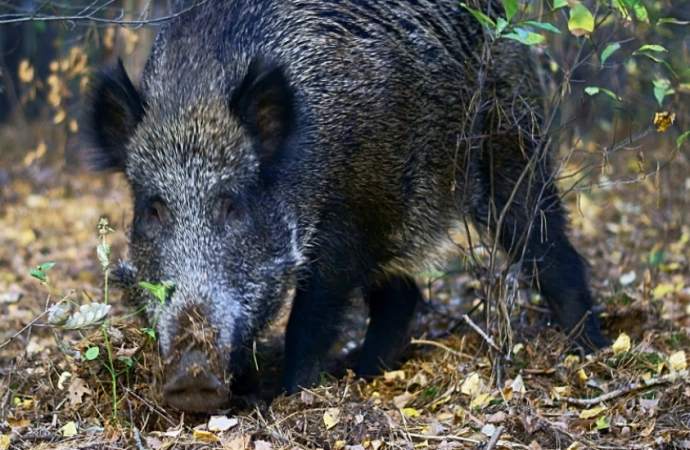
{"x": 95, "y": 388}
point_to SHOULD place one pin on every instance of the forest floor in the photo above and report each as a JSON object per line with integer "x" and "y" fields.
{"x": 453, "y": 392}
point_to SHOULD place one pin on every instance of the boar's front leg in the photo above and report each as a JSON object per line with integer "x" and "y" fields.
{"x": 313, "y": 327}
{"x": 392, "y": 306}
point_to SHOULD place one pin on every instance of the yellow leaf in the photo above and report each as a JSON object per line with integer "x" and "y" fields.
{"x": 206, "y": 436}
{"x": 424, "y": 443}
{"x": 4, "y": 442}
{"x": 480, "y": 401}
{"x": 59, "y": 117}
{"x": 663, "y": 120}
{"x": 25, "y": 72}
{"x": 331, "y": 417}
{"x": 571, "y": 361}
{"x": 622, "y": 344}
{"x": 20, "y": 423}
{"x": 650, "y": 428}
{"x": 410, "y": 412}
{"x": 664, "y": 288}
{"x": 582, "y": 375}
{"x": 339, "y": 445}
{"x": 575, "y": 446}
{"x": 677, "y": 360}
{"x": 69, "y": 429}
{"x": 471, "y": 384}
{"x": 592, "y": 412}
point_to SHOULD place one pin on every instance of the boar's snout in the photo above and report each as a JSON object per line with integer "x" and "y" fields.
{"x": 192, "y": 385}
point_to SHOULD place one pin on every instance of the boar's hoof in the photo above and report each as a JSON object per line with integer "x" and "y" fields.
{"x": 192, "y": 387}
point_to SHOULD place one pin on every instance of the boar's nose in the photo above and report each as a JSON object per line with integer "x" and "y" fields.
{"x": 192, "y": 386}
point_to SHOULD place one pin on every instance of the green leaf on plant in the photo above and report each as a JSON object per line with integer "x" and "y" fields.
{"x": 651, "y": 48}
{"x": 38, "y": 274}
{"x": 557, "y": 4}
{"x": 525, "y": 37}
{"x": 501, "y": 25}
{"x": 480, "y": 16}
{"x": 542, "y": 25}
{"x": 608, "y": 51}
{"x": 581, "y": 21}
{"x": 160, "y": 291}
{"x": 129, "y": 362}
{"x": 46, "y": 266}
{"x": 593, "y": 90}
{"x": 639, "y": 9}
{"x": 511, "y": 7}
{"x": 150, "y": 332}
{"x": 682, "y": 139}
{"x": 92, "y": 353}
{"x": 661, "y": 88}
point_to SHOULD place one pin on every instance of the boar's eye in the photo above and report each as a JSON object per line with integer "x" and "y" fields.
{"x": 156, "y": 213}
{"x": 230, "y": 210}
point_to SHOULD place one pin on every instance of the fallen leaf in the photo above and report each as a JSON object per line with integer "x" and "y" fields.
{"x": 401, "y": 401}
{"x": 63, "y": 378}
{"x": 471, "y": 384}
{"x": 69, "y": 429}
{"x": 206, "y": 436}
{"x": 498, "y": 417}
{"x": 481, "y": 401}
{"x": 19, "y": 423}
{"x": 221, "y": 423}
{"x": 331, "y": 417}
{"x": 394, "y": 375}
{"x": 77, "y": 389}
{"x": 678, "y": 360}
{"x": 4, "y": 442}
{"x": 410, "y": 412}
{"x": 622, "y": 344}
{"x": 307, "y": 397}
{"x": 592, "y": 412}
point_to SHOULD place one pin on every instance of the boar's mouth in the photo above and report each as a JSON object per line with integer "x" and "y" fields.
{"x": 195, "y": 372}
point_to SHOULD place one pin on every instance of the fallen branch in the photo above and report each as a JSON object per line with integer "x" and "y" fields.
{"x": 489, "y": 340}
{"x": 439, "y": 345}
{"x": 630, "y": 387}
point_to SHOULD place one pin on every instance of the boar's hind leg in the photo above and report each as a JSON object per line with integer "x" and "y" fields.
{"x": 313, "y": 326}
{"x": 534, "y": 228}
{"x": 392, "y": 307}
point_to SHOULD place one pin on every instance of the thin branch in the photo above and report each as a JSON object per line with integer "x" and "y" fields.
{"x": 89, "y": 16}
{"x": 630, "y": 387}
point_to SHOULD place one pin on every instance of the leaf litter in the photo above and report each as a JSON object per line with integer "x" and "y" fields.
{"x": 452, "y": 392}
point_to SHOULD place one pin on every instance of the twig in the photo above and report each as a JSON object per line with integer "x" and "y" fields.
{"x": 443, "y": 438}
{"x": 451, "y": 437}
{"x": 137, "y": 439}
{"x": 29, "y": 325}
{"x": 630, "y": 387}
{"x": 149, "y": 405}
{"x": 489, "y": 340}
{"x": 439, "y": 345}
{"x": 89, "y": 16}
{"x": 494, "y": 438}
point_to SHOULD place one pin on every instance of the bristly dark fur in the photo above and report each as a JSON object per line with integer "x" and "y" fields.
{"x": 314, "y": 149}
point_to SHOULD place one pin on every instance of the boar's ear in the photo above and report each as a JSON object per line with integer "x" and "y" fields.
{"x": 115, "y": 109}
{"x": 264, "y": 103}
